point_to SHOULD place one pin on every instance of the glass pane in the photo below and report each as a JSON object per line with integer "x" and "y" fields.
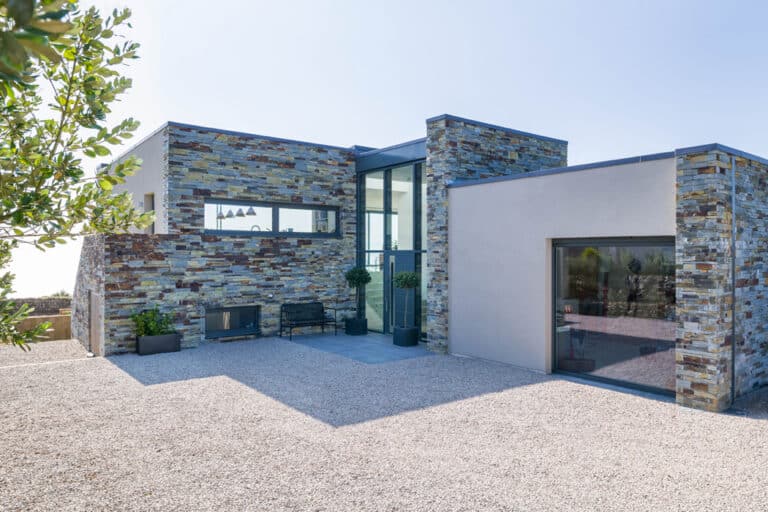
{"x": 374, "y": 291}
{"x": 299, "y": 220}
{"x": 237, "y": 217}
{"x": 402, "y": 208}
{"x": 615, "y": 312}
{"x": 374, "y": 211}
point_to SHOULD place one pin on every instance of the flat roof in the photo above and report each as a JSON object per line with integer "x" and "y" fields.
{"x": 561, "y": 170}
{"x": 392, "y": 155}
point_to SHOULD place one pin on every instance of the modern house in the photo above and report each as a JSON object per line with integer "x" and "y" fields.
{"x": 646, "y": 271}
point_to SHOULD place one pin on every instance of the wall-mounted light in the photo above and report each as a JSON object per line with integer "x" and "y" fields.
{"x": 230, "y": 214}
{"x": 251, "y": 211}
{"x": 240, "y": 212}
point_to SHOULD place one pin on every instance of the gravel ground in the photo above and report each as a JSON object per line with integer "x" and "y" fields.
{"x": 42, "y": 352}
{"x": 274, "y": 425}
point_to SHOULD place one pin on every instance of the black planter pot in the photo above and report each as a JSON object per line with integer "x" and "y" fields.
{"x": 405, "y": 336}
{"x": 146, "y": 345}
{"x": 356, "y": 326}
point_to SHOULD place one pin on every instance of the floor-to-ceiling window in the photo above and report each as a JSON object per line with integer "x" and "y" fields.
{"x": 374, "y": 218}
{"x": 393, "y": 217}
{"x": 615, "y": 310}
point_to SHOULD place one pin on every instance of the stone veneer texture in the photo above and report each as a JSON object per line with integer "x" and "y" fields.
{"x": 751, "y": 279}
{"x": 716, "y": 307}
{"x": 187, "y": 270}
{"x": 462, "y": 149}
{"x": 703, "y": 279}
{"x": 90, "y": 278}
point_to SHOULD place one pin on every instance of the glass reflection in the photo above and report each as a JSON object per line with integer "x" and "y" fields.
{"x": 615, "y": 312}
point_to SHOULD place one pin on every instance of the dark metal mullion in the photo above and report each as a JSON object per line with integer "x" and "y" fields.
{"x": 361, "y": 217}
{"x": 417, "y": 176}
{"x": 275, "y": 219}
{"x": 386, "y": 282}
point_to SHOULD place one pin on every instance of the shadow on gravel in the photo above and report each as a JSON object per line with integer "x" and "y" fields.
{"x": 338, "y": 389}
{"x": 752, "y": 405}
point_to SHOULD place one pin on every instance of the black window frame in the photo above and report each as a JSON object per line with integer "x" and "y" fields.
{"x": 275, "y": 227}
{"x": 626, "y": 241}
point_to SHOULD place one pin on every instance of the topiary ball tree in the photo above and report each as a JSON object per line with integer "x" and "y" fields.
{"x": 358, "y": 277}
{"x": 406, "y": 281}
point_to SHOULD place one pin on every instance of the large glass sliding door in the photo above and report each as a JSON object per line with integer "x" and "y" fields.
{"x": 393, "y": 216}
{"x": 615, "y": 310}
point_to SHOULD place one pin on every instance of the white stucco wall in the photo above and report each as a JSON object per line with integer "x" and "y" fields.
{"x": 151, "y": 179}
{"x": 500, "y": 239}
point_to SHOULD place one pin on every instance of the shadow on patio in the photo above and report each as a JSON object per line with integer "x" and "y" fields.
{"x": 338, "y": 380}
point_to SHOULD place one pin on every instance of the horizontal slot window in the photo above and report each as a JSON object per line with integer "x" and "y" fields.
{"x": 237, "y": 217}
{"x": 271, "y": 219}
{"x": 296, "y": 220}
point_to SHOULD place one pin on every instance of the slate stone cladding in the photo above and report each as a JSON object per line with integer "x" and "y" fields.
{"x": 751, "y": 279}
{"x": 90, "y": 277}
{"x": 721, "y": 301}
{"x": 704, "y": 281}
{"x": 462, "y": 149}
{"x": 186, "y": 270}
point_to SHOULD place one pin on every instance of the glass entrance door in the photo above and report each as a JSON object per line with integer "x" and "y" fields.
{"x": 390, "y": 229}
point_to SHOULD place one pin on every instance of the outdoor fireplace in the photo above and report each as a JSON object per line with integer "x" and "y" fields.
{"x": 232, "y": 321}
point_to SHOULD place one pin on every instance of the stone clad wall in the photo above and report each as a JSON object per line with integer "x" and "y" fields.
{"x": 187, "y": 270}
{"x": 463, "y": 149}
{"x": 210, "y": 164}
{"x": 751, "y": 279}
{"x": 704, "y": 280}
{"x": 90, "y": 278}
{"x": 183, "y": 274}
{"x": 722, "y": 281}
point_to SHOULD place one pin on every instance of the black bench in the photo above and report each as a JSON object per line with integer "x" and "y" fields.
{"x": 305, "y": 314}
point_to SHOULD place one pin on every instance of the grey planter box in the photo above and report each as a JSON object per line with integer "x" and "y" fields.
{"x": 146, "y": 345}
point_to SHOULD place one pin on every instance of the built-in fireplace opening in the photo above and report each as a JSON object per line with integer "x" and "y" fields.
{"x": 232, "y": 321}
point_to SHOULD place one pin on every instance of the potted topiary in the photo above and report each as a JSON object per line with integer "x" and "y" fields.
{"x": 406, "y": 336}
{"x": 155, "y": 332}
{"x": 357, "y": 278}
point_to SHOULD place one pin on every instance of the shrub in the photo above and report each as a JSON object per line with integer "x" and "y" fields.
{"x": 406, "y": 281}
{"x": 357, "y": 277}
{"x": 152, "y": 322}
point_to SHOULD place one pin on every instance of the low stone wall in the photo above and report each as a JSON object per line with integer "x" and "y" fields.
{"x": 46, "y": 305}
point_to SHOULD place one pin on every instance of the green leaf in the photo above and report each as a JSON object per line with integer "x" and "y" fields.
{"x": 105, "y": 184}
{"x": 51, "y": 26}
{"x": 41, "y": 49}
{"x": 11, "y": 52}
{"x": 21, "y": 11}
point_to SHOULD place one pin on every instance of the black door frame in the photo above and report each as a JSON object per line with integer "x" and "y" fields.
{"x": 417, "y": 174}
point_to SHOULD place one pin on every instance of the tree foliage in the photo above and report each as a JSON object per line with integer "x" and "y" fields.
{"x": 357, "y": 278}
{"x": 59, "y": 68}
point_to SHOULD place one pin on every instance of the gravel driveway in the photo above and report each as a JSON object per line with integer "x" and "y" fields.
{"x": 275, "y": 425}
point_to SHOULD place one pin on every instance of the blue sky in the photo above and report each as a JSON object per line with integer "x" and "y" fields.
{"x": 615, "y": 79}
